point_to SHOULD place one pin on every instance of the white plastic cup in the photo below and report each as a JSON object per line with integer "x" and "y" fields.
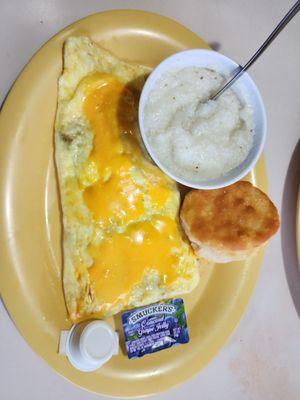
{"x": 89, "y": 345}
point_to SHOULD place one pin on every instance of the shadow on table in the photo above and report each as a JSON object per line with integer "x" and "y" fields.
{"x": 215, "y": 46}
{"x": 288, "y": 226}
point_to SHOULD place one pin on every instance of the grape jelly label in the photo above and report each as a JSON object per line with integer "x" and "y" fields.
{"x": 155, "y": 327}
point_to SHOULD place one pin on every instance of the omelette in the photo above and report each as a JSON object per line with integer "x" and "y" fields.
{"x": 123, "y": 246}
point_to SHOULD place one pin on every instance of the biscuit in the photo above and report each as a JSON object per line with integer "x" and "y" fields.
{"x": 230, "y": 223}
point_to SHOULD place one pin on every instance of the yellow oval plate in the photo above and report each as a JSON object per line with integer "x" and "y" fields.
{"x": 30, "y": 226}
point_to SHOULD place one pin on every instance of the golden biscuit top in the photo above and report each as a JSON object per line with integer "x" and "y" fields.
{"x": 237, "y": 217}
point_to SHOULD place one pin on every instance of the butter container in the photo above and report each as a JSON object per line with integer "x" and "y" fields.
{"x": 88, "y": 345}
{"x": 154, "y": 327}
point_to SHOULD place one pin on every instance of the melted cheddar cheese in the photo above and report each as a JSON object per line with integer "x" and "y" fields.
{"x": 127, "y": 197}
{"x": 122, "y": 258}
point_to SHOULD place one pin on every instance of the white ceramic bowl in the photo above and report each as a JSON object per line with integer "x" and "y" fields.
{"x": 244, "y": 88}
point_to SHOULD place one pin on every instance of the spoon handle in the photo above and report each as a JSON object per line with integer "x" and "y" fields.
{"x": 240, "y": 70}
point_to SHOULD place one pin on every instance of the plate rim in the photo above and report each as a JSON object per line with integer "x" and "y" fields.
{"x": 298, "y": 227}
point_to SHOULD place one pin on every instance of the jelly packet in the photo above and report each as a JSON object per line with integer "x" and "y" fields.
{"x": 154, "y": 327}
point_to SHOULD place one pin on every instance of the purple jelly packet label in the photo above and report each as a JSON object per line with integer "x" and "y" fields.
{"x": 154, "y": 327}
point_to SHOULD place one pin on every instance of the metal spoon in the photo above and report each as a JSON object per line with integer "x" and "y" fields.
{"x": 240, "y": 70}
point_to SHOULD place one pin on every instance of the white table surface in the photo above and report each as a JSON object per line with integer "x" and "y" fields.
{"x": 262, "y": 358}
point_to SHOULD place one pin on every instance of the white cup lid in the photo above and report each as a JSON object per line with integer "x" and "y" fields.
{"x": 89, "y": 346}
{"x": 97, "y": 342}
